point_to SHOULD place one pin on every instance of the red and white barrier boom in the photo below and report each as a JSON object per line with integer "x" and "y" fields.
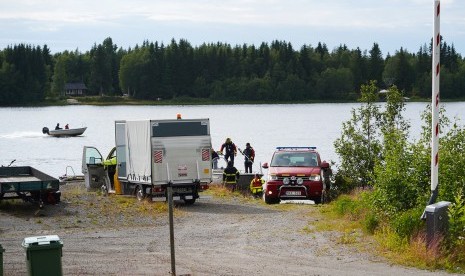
{"x": 436, "y": 66}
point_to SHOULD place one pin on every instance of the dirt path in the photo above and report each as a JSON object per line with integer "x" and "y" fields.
{"x": 212, "y": 237}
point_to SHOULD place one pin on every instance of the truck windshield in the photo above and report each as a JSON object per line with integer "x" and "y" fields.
{"x": 294, "y": 159}
{"x": 180, "y": 128}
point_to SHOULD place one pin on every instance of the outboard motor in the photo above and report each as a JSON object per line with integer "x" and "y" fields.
{"x": 45, "y": 130}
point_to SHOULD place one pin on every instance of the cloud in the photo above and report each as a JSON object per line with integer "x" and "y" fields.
{"x": 237, "y": 20}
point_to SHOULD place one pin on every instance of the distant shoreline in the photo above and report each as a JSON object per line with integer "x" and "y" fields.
{"x": 114, "y": 100}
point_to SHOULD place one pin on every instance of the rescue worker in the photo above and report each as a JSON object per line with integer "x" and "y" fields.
{"x": 249, "y": 156}
{"x": 230, "y": 150}
{"x": 256, "y": 186}
{"x": 230, "y": 176}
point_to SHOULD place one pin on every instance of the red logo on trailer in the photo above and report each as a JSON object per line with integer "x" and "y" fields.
{"x": 158, "y": 156}
{"x": 205, "y": 154}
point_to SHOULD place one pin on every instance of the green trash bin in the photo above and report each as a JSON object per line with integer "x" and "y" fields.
{"x": 1, "y": 260}
{"x": 43, "y": 255}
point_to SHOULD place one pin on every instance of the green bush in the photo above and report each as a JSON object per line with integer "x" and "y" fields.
{"x": 407, "y": 224}
{"x": 344, "y": 183}
{"x": 359, "y": 145}
{"x": 371, "y": 222}
{"x": 344, "y": 205}
{"x": 352, "y": 207}
{"x": 456, "y": 233}
{"x": 375, "y": 151}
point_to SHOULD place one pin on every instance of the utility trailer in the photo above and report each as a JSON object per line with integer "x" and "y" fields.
{"x": 28, "y": 184}
{"x": 152, "y": 154}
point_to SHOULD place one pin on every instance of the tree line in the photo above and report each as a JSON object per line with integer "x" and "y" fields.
{"x": 220, "y": 72}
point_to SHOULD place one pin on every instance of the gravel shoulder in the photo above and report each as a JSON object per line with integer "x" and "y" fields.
{"x": 117, "y": 235}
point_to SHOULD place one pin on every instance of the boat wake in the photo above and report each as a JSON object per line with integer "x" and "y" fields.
{"x": 21, "y": 134}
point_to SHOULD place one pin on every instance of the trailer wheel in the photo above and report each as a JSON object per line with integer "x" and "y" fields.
{"x": 140, "y": 194}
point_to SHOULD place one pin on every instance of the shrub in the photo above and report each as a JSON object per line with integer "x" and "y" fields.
{"x": 351, "y": 206}
{"x": 371, "y": 222}
{"x": 456, "y": 233}
{"x": 407, "y": 224}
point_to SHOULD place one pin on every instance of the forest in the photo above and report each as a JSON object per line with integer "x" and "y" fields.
{"x": 220, "y": 72}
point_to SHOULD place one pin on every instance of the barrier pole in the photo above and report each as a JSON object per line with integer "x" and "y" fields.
{"x": 435, "y": 73}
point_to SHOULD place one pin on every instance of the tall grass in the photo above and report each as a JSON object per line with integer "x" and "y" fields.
{"x": 400, "y": 239}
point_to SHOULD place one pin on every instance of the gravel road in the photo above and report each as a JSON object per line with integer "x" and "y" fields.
{"x": 216, "y": 236}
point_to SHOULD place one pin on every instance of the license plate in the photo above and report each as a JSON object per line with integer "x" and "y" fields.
{"x": 294, "y": 193}
{"x": 182, "y": 190}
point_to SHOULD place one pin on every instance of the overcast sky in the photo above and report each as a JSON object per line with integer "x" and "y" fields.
{"x": 70, "y": 25}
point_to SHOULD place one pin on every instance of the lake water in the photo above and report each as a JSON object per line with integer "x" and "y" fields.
{"x": 264, "y": 126}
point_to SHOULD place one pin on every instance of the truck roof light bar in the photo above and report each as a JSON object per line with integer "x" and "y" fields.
{"x": 294, "y": 148}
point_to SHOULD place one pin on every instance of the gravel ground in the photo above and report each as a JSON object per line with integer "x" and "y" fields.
{"x": 117, "y": 235}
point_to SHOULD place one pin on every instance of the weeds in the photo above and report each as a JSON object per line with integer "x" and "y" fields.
{"x": 400, "y": 239}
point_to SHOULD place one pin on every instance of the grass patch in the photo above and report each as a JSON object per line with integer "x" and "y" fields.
{"x": 223, "y": 192}
{"x": 399, "y": 239}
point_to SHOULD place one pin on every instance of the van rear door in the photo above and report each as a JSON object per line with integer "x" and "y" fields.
{"x": 181, "y": 151}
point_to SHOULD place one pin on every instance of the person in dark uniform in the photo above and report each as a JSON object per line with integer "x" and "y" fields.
{"x": 249, "y": 156}
{"x": 230, "y": 152}
{"x": 230, "y": 176}
{"x": 57, "y": 127}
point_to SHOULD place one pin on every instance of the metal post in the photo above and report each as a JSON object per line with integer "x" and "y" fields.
{"x": 170, "y": 215}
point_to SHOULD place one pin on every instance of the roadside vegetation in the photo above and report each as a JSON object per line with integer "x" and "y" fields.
{"x": 384, "y": 181}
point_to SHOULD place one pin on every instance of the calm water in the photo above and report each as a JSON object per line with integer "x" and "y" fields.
{"x": 264, "y": 126}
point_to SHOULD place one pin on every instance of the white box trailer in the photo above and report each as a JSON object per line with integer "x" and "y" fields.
{"x": 151, "y": 154}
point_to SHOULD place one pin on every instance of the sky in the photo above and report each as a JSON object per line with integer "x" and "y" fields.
{"x": 70, "y": 25}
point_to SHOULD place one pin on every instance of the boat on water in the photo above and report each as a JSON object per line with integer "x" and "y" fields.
{"x": 64, "y": 132}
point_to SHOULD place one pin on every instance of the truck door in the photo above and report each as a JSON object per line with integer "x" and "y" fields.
{"x": 92, "y": 167}
{"x": 120, "y": 140}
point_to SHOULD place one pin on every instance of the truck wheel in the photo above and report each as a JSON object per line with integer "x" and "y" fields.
{"x": 269, "y": 200}
{"x": 189, "y": 201}
{"x": 140, "y": 194}
{"x": 104, "y": 190}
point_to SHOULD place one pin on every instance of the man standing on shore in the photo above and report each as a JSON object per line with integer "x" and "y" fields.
{"x": 249, "y": 156}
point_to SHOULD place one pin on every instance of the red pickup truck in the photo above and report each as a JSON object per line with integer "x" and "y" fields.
{"x": 296, "y": 173}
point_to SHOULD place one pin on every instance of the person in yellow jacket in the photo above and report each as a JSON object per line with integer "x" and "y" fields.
{"x": 230, "y": 176}
{"x": 256, "y": 186}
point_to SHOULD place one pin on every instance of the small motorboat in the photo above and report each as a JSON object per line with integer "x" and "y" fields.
{"x": 64, "y": 132}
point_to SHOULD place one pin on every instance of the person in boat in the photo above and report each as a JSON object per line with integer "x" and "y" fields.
{"x": 230, "y": 150}
{"x": 215, "y": 158}
{"x": 230, "y": 176}
{"x": 249, "y": 156}
{"x": 256, "y": 186}
{"x": 57, "y": 127}
{"x": 66, "y": 126}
